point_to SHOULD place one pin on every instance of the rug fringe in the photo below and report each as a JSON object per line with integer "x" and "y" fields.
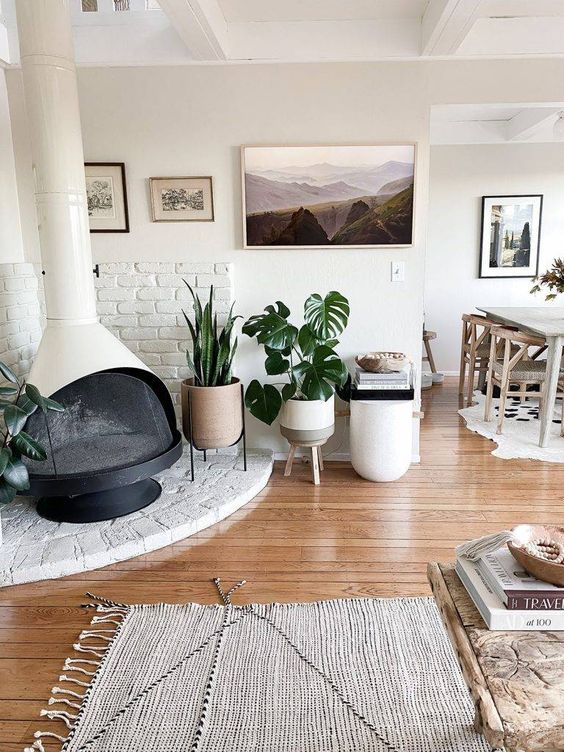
{"x": 112, "y": 613}
{"x": 226, "y": 597}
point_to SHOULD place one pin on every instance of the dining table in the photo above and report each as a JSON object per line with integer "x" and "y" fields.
{"x": 548, "y": 323}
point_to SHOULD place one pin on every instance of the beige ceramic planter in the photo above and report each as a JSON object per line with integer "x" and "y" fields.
{"x": 303, "y": 421}
{"x": 217, "y": 414}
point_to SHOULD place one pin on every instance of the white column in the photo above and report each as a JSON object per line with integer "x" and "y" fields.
{"x": 51, "y": 95}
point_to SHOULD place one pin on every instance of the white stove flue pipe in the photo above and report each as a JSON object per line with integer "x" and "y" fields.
{"x": 74, "y": 343}
{"x": 47, "y": 60}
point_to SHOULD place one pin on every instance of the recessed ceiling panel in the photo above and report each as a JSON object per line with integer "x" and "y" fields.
{"x": 316, "y": 10}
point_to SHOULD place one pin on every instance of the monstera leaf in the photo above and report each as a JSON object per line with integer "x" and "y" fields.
{"x": 327, "y": 317}
{"x": 272, "y": 328}
{"x": 319, "y": 376}
{"x": 275, "y": 364}
{"x": 264, "y": 402}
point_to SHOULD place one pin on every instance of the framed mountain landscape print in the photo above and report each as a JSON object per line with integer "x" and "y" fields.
{"x": 510, "y": 236}
{"x": 328, "y": 196}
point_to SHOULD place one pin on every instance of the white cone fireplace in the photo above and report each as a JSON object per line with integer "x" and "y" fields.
{"x": 118, "y": 428}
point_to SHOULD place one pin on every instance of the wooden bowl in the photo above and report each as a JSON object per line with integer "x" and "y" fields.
{"x": 381, "y": 362}
{"x": 547, "y": 571}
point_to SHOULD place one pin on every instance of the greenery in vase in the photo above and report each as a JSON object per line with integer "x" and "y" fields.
{"x": 553, "y": 279}
{"x": 306, "y": 356}
{"x": 19, "y": 400}
{"x": 212, "y": 350}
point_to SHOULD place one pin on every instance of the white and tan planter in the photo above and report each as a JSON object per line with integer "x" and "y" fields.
{"x": 217, "y": 414}
{"x": 303, "y": 421}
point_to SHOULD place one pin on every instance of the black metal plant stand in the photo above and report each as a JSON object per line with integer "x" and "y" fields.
{"x": 193, "y": 445}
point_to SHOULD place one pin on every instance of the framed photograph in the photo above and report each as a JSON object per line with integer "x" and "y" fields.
{"x": 182, "y": 199}
{"x": 107, "y": 196}
{"x": 328, "y": 196}
{"x": 511, "y": 227}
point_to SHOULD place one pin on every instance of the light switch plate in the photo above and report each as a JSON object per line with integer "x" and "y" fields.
{"x": 398, "y": 271}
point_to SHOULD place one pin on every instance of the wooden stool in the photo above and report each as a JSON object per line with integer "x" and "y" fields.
{"x": 427, "y": 337}
{"x": 316, "y": 458}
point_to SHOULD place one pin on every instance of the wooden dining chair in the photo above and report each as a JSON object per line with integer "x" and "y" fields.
{"x": 474, "y": 353}
{"x": 510, "y": 365}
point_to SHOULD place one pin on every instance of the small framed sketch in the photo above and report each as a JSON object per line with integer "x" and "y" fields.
{"x": 511, "y": 228}
{"x": 182, "y": 199}
{"x": 107, "y": 197}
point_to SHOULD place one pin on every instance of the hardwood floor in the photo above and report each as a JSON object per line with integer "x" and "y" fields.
{"x": 294, "y": 542}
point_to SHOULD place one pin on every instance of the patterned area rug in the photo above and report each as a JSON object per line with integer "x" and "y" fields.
{"x": 520, "y": 437}
{"x": 366, "y": 675}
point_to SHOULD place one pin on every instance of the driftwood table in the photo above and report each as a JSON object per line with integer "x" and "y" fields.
{"x": 516, "y": 678}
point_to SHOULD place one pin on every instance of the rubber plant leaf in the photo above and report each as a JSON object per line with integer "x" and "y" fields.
{"x": 264, "y": 402}
{"x": 7, "y": 492}
{"x": 328, "y": 316}
{"x": 15, "y": 473}
{"x": 5, "y": 455}
{"x": 8, "y": 374}
{"x": 15, "y": 419}
{"x": 27, "y": 445}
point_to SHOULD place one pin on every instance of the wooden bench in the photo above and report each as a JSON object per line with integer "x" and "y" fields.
{"x": 516, "y": 679}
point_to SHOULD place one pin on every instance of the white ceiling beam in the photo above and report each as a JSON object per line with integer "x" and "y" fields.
{"x": 201, "y": 25}
{"x": 305, "y": 41}
{"x": 445, "y": 24}
{"x": 523, "y": 125}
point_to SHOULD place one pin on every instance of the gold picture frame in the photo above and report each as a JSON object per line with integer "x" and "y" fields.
{"x": 182, "y": 199}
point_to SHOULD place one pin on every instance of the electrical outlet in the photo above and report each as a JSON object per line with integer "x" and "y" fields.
{"x": 398, "y": 271}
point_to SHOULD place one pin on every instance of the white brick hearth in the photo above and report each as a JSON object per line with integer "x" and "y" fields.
{"x": 36, "y": 549}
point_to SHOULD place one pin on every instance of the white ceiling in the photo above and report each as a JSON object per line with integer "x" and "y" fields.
{"x": 188, "y": 31}
{"x": 319, "y": 10}
{"x": 494, "y": 123}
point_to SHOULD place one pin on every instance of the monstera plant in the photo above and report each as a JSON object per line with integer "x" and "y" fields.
{"x": 18, "y": 400}
{"x": 305, "y": 356}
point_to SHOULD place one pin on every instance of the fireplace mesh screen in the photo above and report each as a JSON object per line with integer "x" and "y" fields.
{"x": 111, "y": 420}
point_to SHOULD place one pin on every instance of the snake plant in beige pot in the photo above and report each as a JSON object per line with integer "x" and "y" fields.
{"x": 212, "y": 407}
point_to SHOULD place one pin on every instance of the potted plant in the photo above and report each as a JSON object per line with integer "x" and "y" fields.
{"x": 18, "y": 400}
{"x": 307, "y": 357}
{"x": 212, "y": 397}
{"x": 552, "y": 279}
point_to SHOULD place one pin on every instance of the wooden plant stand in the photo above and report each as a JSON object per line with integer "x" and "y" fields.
{"x": 316, "y": 458}
{"x": 515, "y": 678}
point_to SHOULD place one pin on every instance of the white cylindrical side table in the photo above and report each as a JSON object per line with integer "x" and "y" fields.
{"x": 380, "y": 437}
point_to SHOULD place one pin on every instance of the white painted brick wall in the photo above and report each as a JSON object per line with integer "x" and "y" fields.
{"x": 141, "y": 303}
{"x": 20, "y": 315}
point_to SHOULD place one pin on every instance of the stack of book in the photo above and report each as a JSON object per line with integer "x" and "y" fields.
{"x": 507, "y": 597}
{"x": 366, "y": 380}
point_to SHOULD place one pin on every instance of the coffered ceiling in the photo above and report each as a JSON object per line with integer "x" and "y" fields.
{"x": 153, "y": 32}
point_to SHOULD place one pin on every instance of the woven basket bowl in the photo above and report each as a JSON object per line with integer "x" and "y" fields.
{"x": 547, "y": 571}
{"x": 381, "y": 362}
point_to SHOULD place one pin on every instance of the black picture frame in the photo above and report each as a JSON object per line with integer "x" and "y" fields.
{"x": 485, "y": 232}
{"x": 121, "y": 167}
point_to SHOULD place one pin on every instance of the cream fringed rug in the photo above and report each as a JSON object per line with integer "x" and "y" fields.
{"x": 360, "y": 675}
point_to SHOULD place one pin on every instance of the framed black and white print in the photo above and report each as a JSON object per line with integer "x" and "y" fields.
{"x": 107, "y": 196}
{"x": 182, "y": 199}
{"x": 510, "y": 240}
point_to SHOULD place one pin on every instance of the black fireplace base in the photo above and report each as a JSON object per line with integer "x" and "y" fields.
{"x": 100, "y": 505}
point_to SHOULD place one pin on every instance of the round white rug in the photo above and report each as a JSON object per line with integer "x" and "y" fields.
{"x": 521, "y": 429}
{"x": 37, "y": 549}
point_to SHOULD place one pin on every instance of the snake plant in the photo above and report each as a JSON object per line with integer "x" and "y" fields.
{"x": 306, "y": 356}
{"x": 212, "y": 350}
{"x": 18, "y": 400}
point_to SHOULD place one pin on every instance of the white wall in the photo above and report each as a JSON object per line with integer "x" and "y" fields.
{"x": 460, "y": 176}
{"x": 192, "y": 120}
{"x": 11, "y": 245}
